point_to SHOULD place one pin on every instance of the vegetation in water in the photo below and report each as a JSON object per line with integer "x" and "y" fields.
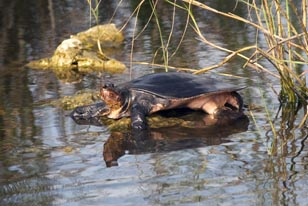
{"x": 284, "y": 28}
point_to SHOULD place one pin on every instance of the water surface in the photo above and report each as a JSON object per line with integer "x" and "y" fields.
{"x": 48, "y": 159}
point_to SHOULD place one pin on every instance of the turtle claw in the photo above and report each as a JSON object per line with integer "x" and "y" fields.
{"x": 138, "y": 125}
{"x": 139, "y": 111}
{"x": 227, "y": 113}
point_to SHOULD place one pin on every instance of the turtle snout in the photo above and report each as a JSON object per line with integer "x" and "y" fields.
{"x": 89, "y": 111}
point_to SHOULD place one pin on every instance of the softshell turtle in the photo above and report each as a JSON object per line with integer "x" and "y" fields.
{"x": 163, "y": 91}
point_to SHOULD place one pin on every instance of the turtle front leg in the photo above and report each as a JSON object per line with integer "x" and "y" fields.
{"x": 138, "y": 116}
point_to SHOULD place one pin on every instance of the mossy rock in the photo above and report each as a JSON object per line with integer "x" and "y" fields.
{"x": 80, "y": 53}
{"x": 154, "y": 121}
{"x": 108, "y": 36}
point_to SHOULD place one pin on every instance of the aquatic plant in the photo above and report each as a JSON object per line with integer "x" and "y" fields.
{"x": 94, "y": 11}
{"x": 283, "y": 26}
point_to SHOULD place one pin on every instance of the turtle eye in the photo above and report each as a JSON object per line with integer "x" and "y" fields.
{"x": 108, "y": 85}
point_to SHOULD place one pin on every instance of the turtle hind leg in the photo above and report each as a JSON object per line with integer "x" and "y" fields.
{"x": 235, "y": 102}
{"x": 232, "y": 110}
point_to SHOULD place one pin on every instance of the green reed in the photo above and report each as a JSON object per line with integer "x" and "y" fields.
{"x": 94, "y": 9}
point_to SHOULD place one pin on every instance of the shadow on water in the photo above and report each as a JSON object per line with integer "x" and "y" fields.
{"x": 201, "y": 131}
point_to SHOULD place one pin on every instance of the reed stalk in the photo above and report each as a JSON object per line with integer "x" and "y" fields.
{"x": 94, "y": 10}
{"x": 164, "y": 46}
{"x": 94, "y": 6}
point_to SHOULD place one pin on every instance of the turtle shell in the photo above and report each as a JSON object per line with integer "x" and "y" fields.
{"x": 179, "y": 85}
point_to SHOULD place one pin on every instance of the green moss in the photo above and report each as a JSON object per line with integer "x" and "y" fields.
{"x": 79, "y": 99}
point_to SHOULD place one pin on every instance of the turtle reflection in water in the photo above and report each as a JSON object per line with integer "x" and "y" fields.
{"x": 173, "y": 138}
{"x": 163, "y": 91}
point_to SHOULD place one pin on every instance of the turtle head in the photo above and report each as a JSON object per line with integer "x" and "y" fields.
{"x": 115, "y": 100}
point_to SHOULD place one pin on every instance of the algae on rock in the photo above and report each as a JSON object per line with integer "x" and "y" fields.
{"x": 79, "y": 99}
{"x": 108, "y": 36}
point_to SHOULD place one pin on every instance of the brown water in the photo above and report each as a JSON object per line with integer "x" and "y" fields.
{"x": 48, "y": 159}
